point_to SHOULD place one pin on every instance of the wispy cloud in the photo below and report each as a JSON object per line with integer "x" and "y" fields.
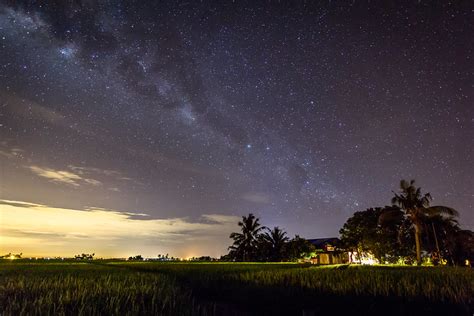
{"x": 79, "y": 176}
{"x": 88, "y": 170}
{"x": 91, "y": 171}
{"x": 72, "y": 175}
{"x": 37, "y": 229}
{"x": 10, "y": 152}
{"x": 63, "y": 176}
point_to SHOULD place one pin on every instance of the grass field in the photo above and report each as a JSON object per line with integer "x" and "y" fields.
{"x": 58, "y": 288}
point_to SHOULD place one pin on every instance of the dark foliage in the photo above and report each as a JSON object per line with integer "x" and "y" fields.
{"x": 85, "y": 256}
{"x": 136, "y": 258}
{"x": 417, "y": 209}
{"x": 259, "y": 243}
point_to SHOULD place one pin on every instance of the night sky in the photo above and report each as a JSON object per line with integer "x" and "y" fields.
{"x": 157, "y": 125}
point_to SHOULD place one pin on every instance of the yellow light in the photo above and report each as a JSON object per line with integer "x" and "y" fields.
{"x": 363, "y": 258}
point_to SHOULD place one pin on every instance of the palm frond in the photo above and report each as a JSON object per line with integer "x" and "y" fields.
{"x": 441, "y": 210}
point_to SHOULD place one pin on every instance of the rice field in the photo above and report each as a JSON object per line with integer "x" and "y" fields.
{"x": 146, "y": 288}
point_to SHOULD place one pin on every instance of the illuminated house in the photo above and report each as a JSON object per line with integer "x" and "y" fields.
{"x": 327, "y": 251}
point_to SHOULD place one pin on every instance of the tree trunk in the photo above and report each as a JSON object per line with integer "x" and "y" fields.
{"x": 436, "y": 239}
{"x": 418, "y": 243}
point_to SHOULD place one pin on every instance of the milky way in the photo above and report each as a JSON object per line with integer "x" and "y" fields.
{"x": 301, "y": 114}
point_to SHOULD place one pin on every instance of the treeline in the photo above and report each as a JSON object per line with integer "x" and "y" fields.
{"x": 408, "y": 231}
{"x": 255, "y": 242}
{"x": 411, "y": 230}
{"x": 393, "y": 241}
{"x": 11, "y": 256}
{"x": 85, "y": 256}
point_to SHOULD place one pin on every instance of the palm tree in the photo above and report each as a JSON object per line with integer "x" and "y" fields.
{"x": 245, "y": 243}
{"x": 416, "y": 207}
{"x": 276, "y": 240}
{"x": 441, "y": 233}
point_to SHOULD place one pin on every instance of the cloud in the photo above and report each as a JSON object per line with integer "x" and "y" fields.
{"x": 18, "y": 204}
{"x": 9, "y": 151}
{"x": 37, "y": 229}
{"x": 91, "y": 171}
{"x": 104, "y": 173}
{"x": 78, "y": 176}
{"x": 86, "y": 170}
{"x": 63, "y": 176}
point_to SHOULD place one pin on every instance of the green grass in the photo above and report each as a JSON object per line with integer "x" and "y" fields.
{"x": 64, "y": 288}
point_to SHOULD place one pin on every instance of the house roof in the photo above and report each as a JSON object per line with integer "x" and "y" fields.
{"x": 321, "y": 242}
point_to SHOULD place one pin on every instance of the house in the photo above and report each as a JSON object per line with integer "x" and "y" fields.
{"x": 328, "y": 251}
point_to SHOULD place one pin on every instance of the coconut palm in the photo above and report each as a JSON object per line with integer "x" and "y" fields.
{"x": 245, "y": 243}
{"x": 441, "y": 232}
{"x": 416, "y": 207}
{"x": 275, "y": 239}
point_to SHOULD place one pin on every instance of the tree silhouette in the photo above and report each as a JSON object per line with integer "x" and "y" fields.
{"x": 245, "y": 243}
{"x": 463, "y": 248}
{"x": 275, "y": 240}
{"x": 416, "y": 207}
{"x": 297, "y": 248}
{"x": 85, "y": 256}
{"x": 441, "y": 233}
{"x": 364, "y": 233}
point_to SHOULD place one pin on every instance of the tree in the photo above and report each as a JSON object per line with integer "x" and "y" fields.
{"x": 297, "y": 248}
{"x": 85, "y": 256}
{"x": 440, "y": 236}
{"x": 463, "y": 250}
{"x": 245, "y": 243}
{"x": 416, "y": 207}
{"x": 364, "y": 232}
{"x": 273, "y": 241}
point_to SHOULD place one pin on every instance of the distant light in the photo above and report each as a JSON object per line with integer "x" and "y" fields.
{"x": 249, "y": 145}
